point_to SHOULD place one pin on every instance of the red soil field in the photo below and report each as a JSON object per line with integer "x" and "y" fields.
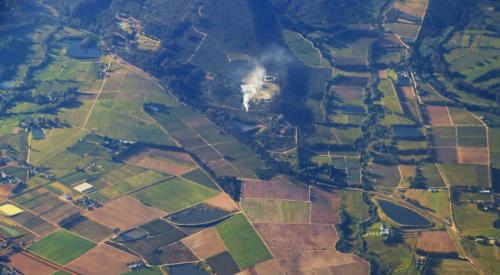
{"x": 30, "y": 265}
{"x": 324, "y": 207}
{"x": 298, "y": 236}
{"x": 473, "y": 155}
{"x": 407, "y": 91}
{"x": 103, "y": 259}
{"x": 439, "y": 116}
{"x": 125, "y": 213}
{"x": 279, "y": 188}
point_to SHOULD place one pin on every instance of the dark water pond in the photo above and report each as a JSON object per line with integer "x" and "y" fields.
{"x": 198, "y": 214}
{"x": 76, "y": 50}
{"x": 353, "y": 109}
{"x": 407, "y": 132}
{"x": 184, "y": 269}
{"x": 402, "y": 215}
{"x": 38, "y": 133}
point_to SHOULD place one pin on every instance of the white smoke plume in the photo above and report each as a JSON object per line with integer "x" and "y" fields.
{"x": 253, "y": 85}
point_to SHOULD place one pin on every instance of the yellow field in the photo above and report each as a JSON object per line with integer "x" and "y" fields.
{"x": 10, "y": 210}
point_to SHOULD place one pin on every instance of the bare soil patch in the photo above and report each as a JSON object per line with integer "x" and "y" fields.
{"x": 324, "y": 207}
{"x": 103, "y": 259}
{"x": 407, "y": 171}
{"x": 223, "y": 202}
{"x": 274, "y": 189}
{"x": 205, "y": 244}
{"x": 473, "y": 155}
{"x": 125, "y": 213}
{"x": 298, "y": 236}
{"x": 30, "y": 265}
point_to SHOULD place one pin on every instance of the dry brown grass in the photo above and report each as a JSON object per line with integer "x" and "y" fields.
{"x": 205, "y": 243}
{"x": 103, "y": 259}
{"x": 473, "y": 155}
{"x": 435, "y": 242}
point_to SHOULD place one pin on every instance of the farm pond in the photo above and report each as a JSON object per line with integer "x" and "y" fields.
{"x": 76, "y": 50}
{"x": 199, "y": 214}
{"x": 402, "y": 215}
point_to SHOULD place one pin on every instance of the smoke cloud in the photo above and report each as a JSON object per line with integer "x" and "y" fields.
{"x": 253, "y": 85}
{"x": 273, "y": 62}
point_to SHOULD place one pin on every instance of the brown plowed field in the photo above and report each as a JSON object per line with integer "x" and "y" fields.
{"x": 473, "y": 155}
{"x": 439, "y": 116}
{"x": 125, "y": 213}
{"x": 103, "y": 259}
{"x": 435, "y": 242}
{"x": 168, "y": 162}
{"x": 298, "y": 236}
{"x": 29, "y": 265}
{"x": 445, "y": 155}
{"x": 274, "y": 189}
{"x": 324, "y": 207}
{"x": 205, "y": 244}
{"x": 292, "y": 261}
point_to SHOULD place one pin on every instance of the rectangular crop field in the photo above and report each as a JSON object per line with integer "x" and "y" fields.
{"x": 61, "y": 247}
{"x": 242, "y": 241}
{"x": 276, "y": 211}
{"x": 175, "y": 194}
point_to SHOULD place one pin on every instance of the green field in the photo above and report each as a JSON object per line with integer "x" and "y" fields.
{"x": 390, "y": 100}
{"x": 396, "y": 258}
{"x": 56, "y": 142}
{"x": 437, "y": 202}
{"x": 276, "y": 211}
{"x": 471, "y": 220}
{"x": 61, "y": 247}
{"x": 121, "y": 186}
{"x": 451, "y": 267}
{"x": 356, "y": 208}
{"x": 242, "y": 242}
{"x": 486, "y": 255}
{"x": 303, "y": 49}
{"x": 175, "y": 194}
{"x": 460, "y": 174}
